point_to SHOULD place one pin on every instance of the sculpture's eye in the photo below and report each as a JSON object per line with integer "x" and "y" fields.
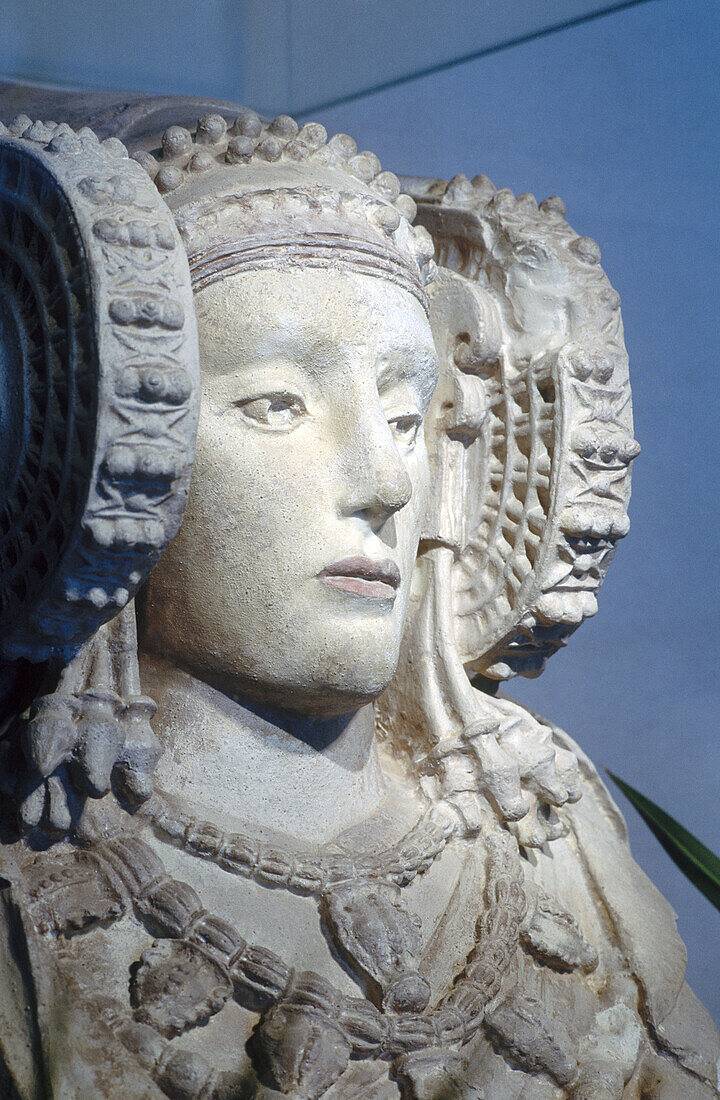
{"x": 405, "y": 428}
{"x": 277, "y": 411}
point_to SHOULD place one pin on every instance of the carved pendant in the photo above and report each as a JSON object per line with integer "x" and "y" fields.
{"x": 429, "y": 1074}
{"x": 553, "y": 936}
{"x": 71, "y": 895}
{"x": 176, "y": 986}
{"x": 298, "y": 1051}
{"x": 372, "y": 927}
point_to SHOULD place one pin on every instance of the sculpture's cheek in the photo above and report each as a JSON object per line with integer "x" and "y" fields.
{"x": 259, "y": 529}
{"x": 301, "y": 468}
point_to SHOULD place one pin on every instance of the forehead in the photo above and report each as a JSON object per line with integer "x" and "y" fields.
{"x": 310, "y": 313}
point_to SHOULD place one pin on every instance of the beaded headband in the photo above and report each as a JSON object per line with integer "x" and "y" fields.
{"x": 244, "y": 194}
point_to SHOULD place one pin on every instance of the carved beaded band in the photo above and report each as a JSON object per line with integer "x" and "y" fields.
{"x": 320, "y": 250}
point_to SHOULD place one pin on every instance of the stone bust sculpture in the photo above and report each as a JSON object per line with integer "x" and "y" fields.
{"x": 268, "y": 826}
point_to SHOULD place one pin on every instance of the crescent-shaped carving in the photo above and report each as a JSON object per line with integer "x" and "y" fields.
{"x": 532, "y": 429}
{"x": 99, "y": 384}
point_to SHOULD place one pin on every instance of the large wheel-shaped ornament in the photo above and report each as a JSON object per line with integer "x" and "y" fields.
{"x": 99, "y": 385}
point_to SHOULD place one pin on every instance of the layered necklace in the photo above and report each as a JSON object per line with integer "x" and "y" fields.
{"x": 308, "y": 1029}
{"x": 359, "y": 895}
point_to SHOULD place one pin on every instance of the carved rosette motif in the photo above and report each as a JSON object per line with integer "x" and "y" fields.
{"x": 98, "y": 330}
{"x": 536, "y": 426}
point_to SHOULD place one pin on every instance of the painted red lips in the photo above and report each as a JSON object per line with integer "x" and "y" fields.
{"x": 376, "y": 580}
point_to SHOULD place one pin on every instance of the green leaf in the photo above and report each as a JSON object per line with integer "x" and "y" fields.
{"x": 696, "y": 861}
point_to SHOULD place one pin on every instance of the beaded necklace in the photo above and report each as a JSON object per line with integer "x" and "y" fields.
{"x": 199, "y": 961}
{"x": 240, "y": 854}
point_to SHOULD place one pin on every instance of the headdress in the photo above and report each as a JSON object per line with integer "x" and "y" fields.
{"x": 101, "y": 377}
{"x": 97, "y": 319}
{"x": 530, "y": 434}
{"x": 531, "y": 440}
{"x": 542, "y": 408}
{"x": 249, "y": 195}
{"x": 101, "y": 390}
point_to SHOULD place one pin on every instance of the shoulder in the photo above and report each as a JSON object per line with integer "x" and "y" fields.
{"x": 644, "y": 923}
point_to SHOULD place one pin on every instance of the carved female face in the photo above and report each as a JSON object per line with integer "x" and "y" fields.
{"x": 289, "y": 579}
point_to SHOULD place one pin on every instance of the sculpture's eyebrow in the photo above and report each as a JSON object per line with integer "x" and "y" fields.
{"x": 398, "y": 361}
{"x": 416, "y": 366}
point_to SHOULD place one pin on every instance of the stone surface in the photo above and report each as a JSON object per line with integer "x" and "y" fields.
{"x": 338, "y": 863}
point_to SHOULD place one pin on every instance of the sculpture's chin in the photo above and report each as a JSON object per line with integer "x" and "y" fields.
{"x": 324, "y": 700}
{"x": 324, "y": 688}
{"x": 300, "y": 658}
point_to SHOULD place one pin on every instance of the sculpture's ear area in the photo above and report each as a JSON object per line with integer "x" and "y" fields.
{"x": 99, "y": 384}
{"x": 531, "y": 430}
{"x": 467, "y": 331}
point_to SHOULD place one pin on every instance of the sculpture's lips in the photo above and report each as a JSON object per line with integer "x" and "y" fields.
{"x": 377, "y": 580}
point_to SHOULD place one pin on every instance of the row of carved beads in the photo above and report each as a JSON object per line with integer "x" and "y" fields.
{"x": 241, "y": 855}
{"x": 249, "y": 140}
{"x": 181, "y": 1074}
{"x": 262, "y": 981}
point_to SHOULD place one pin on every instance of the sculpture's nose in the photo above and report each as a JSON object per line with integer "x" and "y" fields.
{"x": 379, "y": 483}
{"x": 392, "y": 492}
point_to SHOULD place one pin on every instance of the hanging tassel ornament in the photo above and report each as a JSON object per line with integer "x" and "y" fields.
{"x": 91, "y": 733}
{"x": 141, "y": 748}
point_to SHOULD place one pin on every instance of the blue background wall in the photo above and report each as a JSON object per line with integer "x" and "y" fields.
{"x": 620, "y": 116}
{"x": 278, "y": 55}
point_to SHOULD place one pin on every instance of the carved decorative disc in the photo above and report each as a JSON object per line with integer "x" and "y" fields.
{"x": 99, "y": 384}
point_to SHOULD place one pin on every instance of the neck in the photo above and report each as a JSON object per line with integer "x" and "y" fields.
{"x": 308, "y": 777}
